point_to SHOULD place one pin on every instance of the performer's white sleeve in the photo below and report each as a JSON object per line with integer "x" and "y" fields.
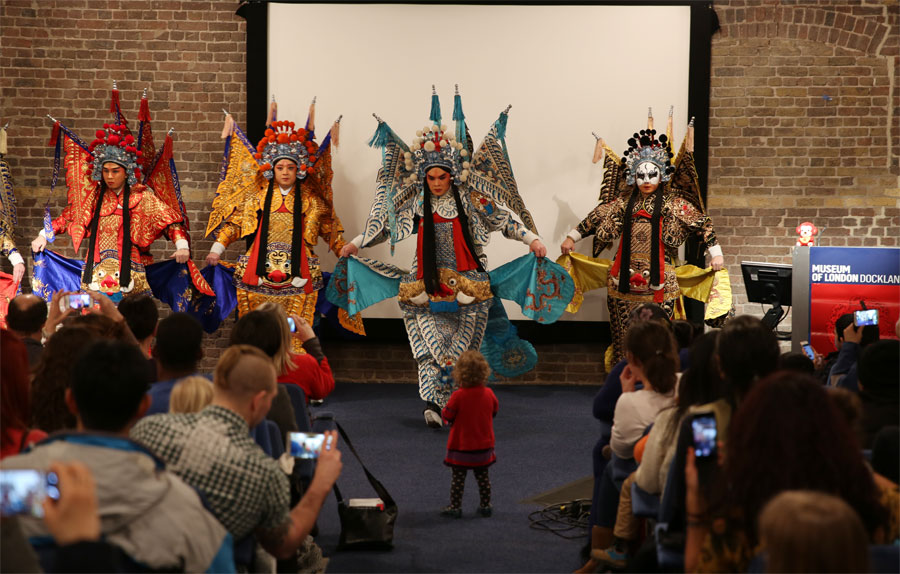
{"x": 574, "y": 235}
{"x": 15, "y": 258}
{"x": 217, "y": 248}
{"x": 715, "y": 251}
{"x": 182, "y": 244}
{"x": 528, "y": 237}
{"x": 42, "y": 233}
{"x": 357, "y": 241}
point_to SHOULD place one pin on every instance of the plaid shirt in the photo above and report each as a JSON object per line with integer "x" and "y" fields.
{"x": 213, "y": 452}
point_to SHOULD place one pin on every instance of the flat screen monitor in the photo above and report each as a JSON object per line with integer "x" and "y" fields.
{"x": 767, "y": 283}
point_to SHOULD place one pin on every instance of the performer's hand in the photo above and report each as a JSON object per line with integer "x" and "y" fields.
{"x": 568, "y": 246}
{"x": 538, "y": 248}
{"x": 182, "y": 255}
{"x": 212, "y": 258}
{"x": 348, "y": 250}
{"x": 74, "y": 516}
{"x": 38, "y": 244}
{"x": 717, "y": 263}
{"x": 18, "y": 272}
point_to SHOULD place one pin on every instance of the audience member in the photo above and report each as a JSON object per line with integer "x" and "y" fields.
{"x": 823, "y": 370}
{"x": 158, "y": 520}
{"x": 54, "y": 375}
{"x": 213, "y": 451}
{"x": 886, "y": 453}
{"x": 26, "y": 317}
{"x": 15, "y": 434}
{"x": 797, "y": 362}
{"x": 142, "y": 316}
{"x": 684, "y": 336}
{"x": 844, "y": 370}
{"x": 178, "y": 350}
{"x": 804, "y": 443}
{"x": 879, "y": 388}
{"x": 191, "y": 395}
{"x": 809, "y": 531}
{"x": 850, "y": 407}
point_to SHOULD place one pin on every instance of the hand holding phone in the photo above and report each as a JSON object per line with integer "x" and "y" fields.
{"x": 23, "y": 491}
{"x": 808, "y": 350}
{"x": 292, "y": 325}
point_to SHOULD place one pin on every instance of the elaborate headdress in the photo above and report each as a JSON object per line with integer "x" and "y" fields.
{"x": 114, "y": 144}
{"x": 643, "y": 147}
{"x": 434, "y": 147}
{"x": 282, "y": 141}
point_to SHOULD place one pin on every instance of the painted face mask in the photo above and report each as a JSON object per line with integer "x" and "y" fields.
{"x": 647, "y": 176}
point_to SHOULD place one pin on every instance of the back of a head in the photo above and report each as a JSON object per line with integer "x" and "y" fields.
{"x": 140, "y": 314}
{"x": 787, "y": 434}
{"x": 108, "y": 383}
{"x": 15, "y": 407}
{"x": 648, "y": 312}
{"x": 652, "y": 344}
{"x": 243, "y": 371}
{"x": 102, "y": 325}
{"x": 886, "y": 453}
{"x": 179, "y": 340}
{"x": 747, "y": 350}
{"x": 808, "y": 531}
{"x": 471, "y": 369}
{"x": 796, "y": 361}
{"x": 684, "y": 333}
{"x": 701, "y": 383}
{"x": 26, "y": 314}
{"x": 259, "y": 329}
{"x": 879, "y": 370}
{"x": 283, "y": 357}
{"x": 842, "y": 323}
{"x": 191, "y": 395}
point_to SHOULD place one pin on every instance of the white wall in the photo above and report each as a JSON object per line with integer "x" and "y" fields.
{"x": 566, "y": 70}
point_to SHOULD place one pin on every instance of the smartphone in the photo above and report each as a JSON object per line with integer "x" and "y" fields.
{"x": 808, "y": 350}
{"x": 705, "y": 435}
{"x": 305, "y": 444}
{"x": 292, "y": 325}
{"x": 24, "y": 491}
{"x": 75, "y": 301}
{"x": 865, "y": 317}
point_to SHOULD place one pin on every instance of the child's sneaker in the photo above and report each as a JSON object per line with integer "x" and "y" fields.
{"x": 485, "y": 511}
{"x": 451, "y": 512}
{"x": 611, "y": 557}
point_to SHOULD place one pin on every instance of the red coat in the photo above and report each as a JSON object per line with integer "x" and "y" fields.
{"x": 314, "y": 377}
{"x": 472, "y": 411}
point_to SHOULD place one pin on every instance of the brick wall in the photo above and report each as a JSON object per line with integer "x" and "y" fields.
{"x": 805, "y": 124}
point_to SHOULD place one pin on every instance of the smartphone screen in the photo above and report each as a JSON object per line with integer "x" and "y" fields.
{"x": 75, "y": 301}
{"x": 292, "y": 324}
{"x": 808, "y": 350}
{"x": 705, "y": 435}
{"x": 24, "y": 491}
{"x": 865, "y": 317}
{"x": 305, "y": 444}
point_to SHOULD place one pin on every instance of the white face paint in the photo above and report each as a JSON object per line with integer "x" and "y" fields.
{"x": 647, "y": 177}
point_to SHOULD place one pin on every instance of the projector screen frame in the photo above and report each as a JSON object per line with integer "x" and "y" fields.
{"x": 703, "y": 25}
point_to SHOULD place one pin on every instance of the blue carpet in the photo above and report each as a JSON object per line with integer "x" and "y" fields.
{"x": 544, "y": 440}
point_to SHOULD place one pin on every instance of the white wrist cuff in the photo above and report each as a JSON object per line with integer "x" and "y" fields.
{"x": 574, "y": 236}
{"x": 715, "y": 251}
{"x": 42, "y": 233}
{"x": 357, "y": 241}
{"x": 182, "y": 244}
{"x": 15, "y": 258}
{"x": 217, "y": 248}
{"x": 528, "y": 237}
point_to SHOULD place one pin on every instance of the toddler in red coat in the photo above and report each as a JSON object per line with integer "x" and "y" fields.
{"x": 471, "y": 411}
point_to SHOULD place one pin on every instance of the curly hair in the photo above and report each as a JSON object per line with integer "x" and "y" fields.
{"x": 789, "y": 435}
{"x": 471, "y": 369}
{"x": 54, "y": 375}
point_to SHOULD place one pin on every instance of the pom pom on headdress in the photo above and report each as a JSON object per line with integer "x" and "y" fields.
{"x": 282, "y": 141}
{"x": 115, "y": 145}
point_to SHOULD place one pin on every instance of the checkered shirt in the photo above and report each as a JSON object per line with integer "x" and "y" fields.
{"x": 213, "y": 452}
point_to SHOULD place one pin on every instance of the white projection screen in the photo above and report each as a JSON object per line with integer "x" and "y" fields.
{"x": 566, "y": 71}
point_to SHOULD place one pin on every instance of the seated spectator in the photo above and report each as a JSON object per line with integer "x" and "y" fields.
{"x": 54, "y": 375}
{"x": 809, "y": 531}
{"x": 141, "y": 315}
{"x": 823, "y": 370}
{"x": 879, "y": 388}
{"x": 309, "y": 371}
{"x": 154, "y": 517}
{"x": 786, "y": 435}
{"x": 844, "y": 370}
{"x": 26, "y": 317}
{"x": 15, "y": 412}
{"x": 684, "y": 336}
{"x": 886, "y": 453}
{"x": 191, "y": 395}
{"x": 797, "y": 362}
{"x": 213, "y": 451}
{"x": 178, "y": 351}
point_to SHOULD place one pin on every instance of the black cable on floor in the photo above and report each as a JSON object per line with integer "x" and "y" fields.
{"x": 569, "y": 520}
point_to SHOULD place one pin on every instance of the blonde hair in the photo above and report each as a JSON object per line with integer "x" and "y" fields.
{"x": 809, "y": 531}
{"x": 242, "y": 370}
{"x": 190, "y": 395}
{"x": 471, "y": 369}
{"x": 284, "y": 357}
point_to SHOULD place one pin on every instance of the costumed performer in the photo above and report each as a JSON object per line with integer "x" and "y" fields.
{"x": 278, "y": 196}
{"x": 652, "y": 206}
{"x": 432, "y": 190}
{"x": 107, "y": 204}
{"x": 9, "y": 284}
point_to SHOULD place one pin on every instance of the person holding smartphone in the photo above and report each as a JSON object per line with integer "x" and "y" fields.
{"x": 856, "y": 338}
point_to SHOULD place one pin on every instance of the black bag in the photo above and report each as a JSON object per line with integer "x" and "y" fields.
{"x": 366, "y": 527}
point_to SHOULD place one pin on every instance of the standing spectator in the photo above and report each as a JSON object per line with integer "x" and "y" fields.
{"x": 157, "y": 519}
{"x": 212, "y": 450}
{"x": 26, "y": 317}
{"x": 879, "y": 388}
{"x": 15, "y": 435}
{"x": 178, "y": 350}
{"x": 471, "y": 410}
{"x": 142, "y": 316}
